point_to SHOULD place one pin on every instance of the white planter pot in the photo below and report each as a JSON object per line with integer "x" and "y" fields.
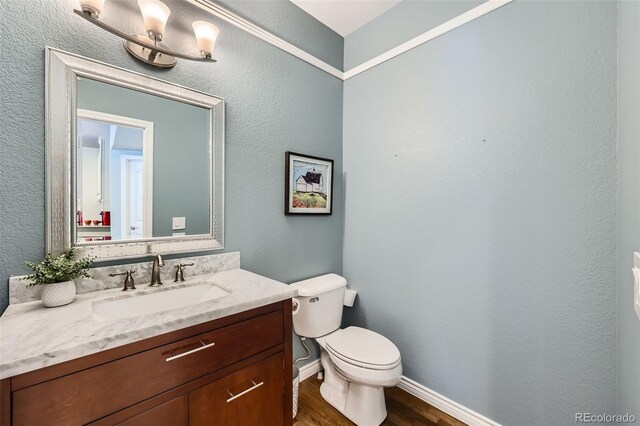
{"x": 58, "y": 294}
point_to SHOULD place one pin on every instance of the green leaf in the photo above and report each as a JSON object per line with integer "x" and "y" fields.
{"x": 58, "y": 269}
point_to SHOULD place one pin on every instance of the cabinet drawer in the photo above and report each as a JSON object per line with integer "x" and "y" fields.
{"x": 171, "y": 413}
{"x": 96, "y": 392}
{"x": 253, "y": 396}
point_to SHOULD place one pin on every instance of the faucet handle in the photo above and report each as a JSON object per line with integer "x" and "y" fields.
{"x": 129, "y": 284}
{"x": 128, "y": 273}
{"x": 180, "y": 271}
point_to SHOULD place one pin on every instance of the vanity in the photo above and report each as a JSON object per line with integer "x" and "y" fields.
{"x": 134, "y": 171}
{"x": 224, "y": 359}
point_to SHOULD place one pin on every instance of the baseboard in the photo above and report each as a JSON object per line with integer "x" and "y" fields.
{"x": 444, "y": 404}
{"x": 429, "y": 396}
{"x": 310, "y": 369}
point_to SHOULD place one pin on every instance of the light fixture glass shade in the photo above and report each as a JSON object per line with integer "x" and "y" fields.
{"x": 92, "y": 7}
{"x": 206, "y": 35}
{"x": 155, "y": 15}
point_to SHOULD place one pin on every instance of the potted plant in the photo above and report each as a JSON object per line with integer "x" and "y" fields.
{"x": 56, "y": 274}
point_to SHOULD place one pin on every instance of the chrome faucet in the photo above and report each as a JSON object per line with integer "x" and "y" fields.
{"x": 155, "y": 271}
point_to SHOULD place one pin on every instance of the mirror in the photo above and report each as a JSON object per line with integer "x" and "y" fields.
{"x": 129, "y": 143}
{"x": 145, "y": 169}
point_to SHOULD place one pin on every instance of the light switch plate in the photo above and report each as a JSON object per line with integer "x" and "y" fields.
{"x": 636, "y": 283}
{"x": 179, "y": 223}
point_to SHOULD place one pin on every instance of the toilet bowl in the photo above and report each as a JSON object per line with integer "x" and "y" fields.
{"x": 363, "y": 356}
{"x": 358, "y": 363}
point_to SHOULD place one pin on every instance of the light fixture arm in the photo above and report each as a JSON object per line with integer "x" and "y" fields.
{"x": 154, "y": 48}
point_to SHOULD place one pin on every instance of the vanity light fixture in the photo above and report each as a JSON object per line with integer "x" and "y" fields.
{"x": 206, "y": 35}
{"x": 92, "y": 7}
{"x": 149, "y": 48}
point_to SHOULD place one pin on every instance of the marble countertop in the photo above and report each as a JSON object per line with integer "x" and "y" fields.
{"x": 32, "y": 336}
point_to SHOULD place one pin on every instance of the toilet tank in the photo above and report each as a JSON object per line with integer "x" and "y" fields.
{"x": 320, "y": 311}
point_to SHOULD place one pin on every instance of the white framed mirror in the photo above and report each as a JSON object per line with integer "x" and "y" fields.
{"x": 134, "y": 164}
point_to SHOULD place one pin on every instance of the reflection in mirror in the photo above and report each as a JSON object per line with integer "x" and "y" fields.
{"x": 143, "y": 165}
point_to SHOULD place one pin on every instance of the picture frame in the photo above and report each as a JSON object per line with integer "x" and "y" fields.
{"x": 308, "y": 188}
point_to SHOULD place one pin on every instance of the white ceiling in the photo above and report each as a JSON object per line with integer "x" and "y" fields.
{"x": 90, "y": 131}
{"x": 345, "y": 16}
{"x": 118, "y": 137}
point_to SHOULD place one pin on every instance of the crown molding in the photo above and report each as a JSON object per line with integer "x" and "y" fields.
{"x": 253, "y": 29}
{"x": 468, "y": 16}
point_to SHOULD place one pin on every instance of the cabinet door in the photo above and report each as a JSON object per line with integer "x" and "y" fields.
{"x": 251, "y": 396}
{"x": 171, "y": 413}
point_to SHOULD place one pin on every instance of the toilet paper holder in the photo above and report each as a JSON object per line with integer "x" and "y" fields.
{"x": 349, "y": 297}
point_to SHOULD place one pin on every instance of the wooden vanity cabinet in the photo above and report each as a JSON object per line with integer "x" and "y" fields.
{"x": 231, "y": 371}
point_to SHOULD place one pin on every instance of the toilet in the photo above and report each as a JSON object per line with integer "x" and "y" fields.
{"x": 358, "y": 363}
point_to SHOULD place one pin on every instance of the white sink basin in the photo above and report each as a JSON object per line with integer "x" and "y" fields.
{"x": 163, "y": 300}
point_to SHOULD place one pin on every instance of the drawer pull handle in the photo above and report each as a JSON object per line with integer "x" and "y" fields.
{"x": 192, "y": 351}
{"x": 255, "y": 386}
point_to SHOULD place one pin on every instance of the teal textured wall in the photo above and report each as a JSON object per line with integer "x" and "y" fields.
{"x": 628, "y": 204}
{"x": 480, "y": 227}
{"x": 404, "y": 21}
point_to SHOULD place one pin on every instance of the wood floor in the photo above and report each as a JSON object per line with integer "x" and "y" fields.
{"x": 402, "y": 409}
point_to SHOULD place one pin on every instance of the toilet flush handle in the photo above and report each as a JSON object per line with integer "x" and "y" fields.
{"x": 295, "y": 306}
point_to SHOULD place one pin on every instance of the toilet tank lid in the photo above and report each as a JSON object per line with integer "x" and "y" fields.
{"x": 318, "y": 285}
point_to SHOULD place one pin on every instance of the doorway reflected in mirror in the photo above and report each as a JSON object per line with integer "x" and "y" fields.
{"x": 115, "y": 177}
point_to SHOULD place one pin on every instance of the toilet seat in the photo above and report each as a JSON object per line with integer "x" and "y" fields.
{"x": 366, "y": 376}
{"x": 363, "y": 348}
